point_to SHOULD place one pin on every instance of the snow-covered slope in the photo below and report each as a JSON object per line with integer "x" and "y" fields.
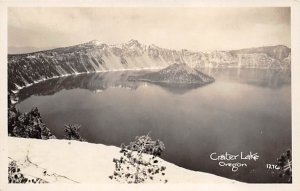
{"x": 176, "y": 74}
{"x": 95, "y": 56}
{"x": 63, "y": 161}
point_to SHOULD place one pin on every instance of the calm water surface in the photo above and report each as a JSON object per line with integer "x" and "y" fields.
{"x": 245, "y": 110}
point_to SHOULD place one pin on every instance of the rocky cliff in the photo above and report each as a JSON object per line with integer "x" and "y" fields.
{"x": 94, "y": 56}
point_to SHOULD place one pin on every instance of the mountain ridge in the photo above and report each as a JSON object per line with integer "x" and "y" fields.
{"x": 97, "y": 42}
{"x": 96, "y": 56}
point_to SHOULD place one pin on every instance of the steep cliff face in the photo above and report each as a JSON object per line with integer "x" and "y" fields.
{"x": 278, "y": 52}
{"x": 94, "y": 56}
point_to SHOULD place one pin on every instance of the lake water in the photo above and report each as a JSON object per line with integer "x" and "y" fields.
{"x": 244, "y": 110}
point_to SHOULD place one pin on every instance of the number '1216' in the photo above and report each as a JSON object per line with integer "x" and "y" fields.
{"x": 272, "y": 166}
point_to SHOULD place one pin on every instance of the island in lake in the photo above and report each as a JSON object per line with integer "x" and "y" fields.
{"x": 178, "y": 74}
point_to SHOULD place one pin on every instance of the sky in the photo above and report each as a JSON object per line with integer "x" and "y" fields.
{"x": 193, "y": 28}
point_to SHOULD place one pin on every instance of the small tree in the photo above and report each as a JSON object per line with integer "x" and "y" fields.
{"x": 139, "y": 162}
{"x": 16, "y": 176}
{"x": 72, "y": 132}
{"x": 285, "y": 164}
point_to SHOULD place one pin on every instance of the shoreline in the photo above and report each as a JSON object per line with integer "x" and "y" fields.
{"x": 78, "y": 73}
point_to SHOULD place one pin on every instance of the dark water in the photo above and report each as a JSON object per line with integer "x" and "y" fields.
{"x": 245, "y": 110}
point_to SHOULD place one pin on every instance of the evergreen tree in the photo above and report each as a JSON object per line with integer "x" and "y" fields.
{"x": 139, "y": 161}
{"x": 72, "y": 132}
{"x": 285, "y": 164}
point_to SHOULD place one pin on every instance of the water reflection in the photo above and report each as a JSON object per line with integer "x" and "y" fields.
{"x": 95, "y": 82}
{"x": 98, "y": 82}
{"x": 257, "y": 77}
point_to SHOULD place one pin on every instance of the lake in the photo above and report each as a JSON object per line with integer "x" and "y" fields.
{"x": 244, "y": 110}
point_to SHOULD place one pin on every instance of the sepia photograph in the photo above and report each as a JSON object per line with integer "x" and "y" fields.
{"x": 139, "y": 95}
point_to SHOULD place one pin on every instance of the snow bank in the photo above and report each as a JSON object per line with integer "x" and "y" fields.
{"x": 64, "y": 161}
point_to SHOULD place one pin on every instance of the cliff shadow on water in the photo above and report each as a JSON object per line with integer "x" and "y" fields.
{"x": 103, "y": 80}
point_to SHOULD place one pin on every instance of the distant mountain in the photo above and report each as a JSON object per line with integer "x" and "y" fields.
{"x": 278, "y": 52}
{"x": 176, "y": 74}
{"x": 95, "y": 56}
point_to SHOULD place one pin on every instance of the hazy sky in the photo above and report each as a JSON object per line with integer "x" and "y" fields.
{"x": 178, "y": 28}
